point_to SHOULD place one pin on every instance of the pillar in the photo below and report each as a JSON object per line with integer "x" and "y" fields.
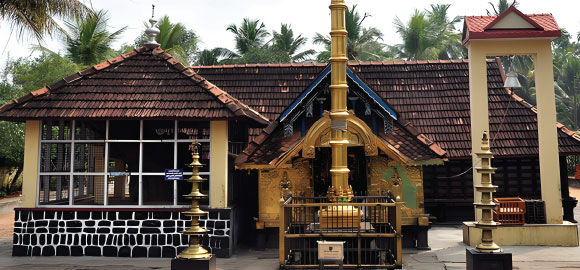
{"x": 479, "y": 112}
{"x": 218, "y": 165}
{"x": 30, "y": 171}
{"x": 547, "y": 134}
{"x": 338, "y": 96}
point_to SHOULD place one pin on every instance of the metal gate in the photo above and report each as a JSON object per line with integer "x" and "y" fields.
{"x": 370, "y": 226}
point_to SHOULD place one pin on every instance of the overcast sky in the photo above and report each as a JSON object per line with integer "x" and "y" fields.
{"x": 210, "y": 18}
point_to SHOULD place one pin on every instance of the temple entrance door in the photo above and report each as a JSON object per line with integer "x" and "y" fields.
{"x": 356, "y": 164}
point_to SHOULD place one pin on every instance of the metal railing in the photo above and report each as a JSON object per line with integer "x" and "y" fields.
{"x": 370, "y": 226}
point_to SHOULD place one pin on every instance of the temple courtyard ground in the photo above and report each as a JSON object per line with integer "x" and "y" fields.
{"x": 448, "y": 252}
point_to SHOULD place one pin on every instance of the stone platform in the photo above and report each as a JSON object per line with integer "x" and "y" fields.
{"x": 564, "y": 235}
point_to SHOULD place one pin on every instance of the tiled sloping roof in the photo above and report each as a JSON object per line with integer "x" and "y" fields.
{"x": 412, "y": 143}
{"x": 145, "y": 83}
{"x": 268, "y": 146}
{"x": 432, "y": 95}
{"x": 476, "y": 27}
{"x": 267, "y": 88}
{"x": 271, "y": 145}
{"x": 407, "y": 140}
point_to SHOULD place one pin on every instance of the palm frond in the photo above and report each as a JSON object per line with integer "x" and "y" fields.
{"x": 38, "y": 17}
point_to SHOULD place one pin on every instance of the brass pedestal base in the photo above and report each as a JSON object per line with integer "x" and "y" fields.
{"x": 340, "y": 216}
{"x": 194, "y": 252}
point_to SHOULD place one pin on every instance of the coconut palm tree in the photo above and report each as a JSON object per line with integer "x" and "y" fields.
{"x": 250, "y": 33}
{"x": 177, "y": 39}
{"x": 213, "y": 57}
{"x": 285, "y": 43}
{"x": 566, "y": 92}
{"x": 447, "y": 33}
{"x": 88, "y": 40}
{"x": 429, "y": 35}
{"x": 39, "y": 17}
{"x": 502, "y": 5}
{"x": 363, "y": 44}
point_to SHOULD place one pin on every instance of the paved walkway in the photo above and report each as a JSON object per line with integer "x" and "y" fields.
{"x": 448, "y": 253}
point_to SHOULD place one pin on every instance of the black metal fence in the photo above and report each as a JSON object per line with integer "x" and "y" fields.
{"x": 370, "y": 226}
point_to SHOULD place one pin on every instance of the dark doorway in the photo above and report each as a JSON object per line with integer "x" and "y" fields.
{"x": 356, "y": 164}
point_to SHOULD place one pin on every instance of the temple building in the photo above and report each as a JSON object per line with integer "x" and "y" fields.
{"x": 98, "y": 144}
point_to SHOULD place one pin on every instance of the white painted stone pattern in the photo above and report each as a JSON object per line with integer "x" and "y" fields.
{"x": 113, "y": 233}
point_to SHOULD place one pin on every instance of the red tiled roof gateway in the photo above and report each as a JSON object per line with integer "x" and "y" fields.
{"x": 432, "y": 95}
{"x": 147, "y": 83}
{"x": 481, "y": 27}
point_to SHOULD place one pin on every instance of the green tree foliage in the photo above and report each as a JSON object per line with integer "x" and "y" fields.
{"x": 212, "y": 57}
{"x": 19, "y": 77}
{"x": 288, "y": 45}
{"x": 88, "y": 41}
{"x": 252, "y": 45}
{"x": 38, "y": 18}
{"x": 429, "y": 35}
{"x": 363, "y": 44}
{"x": 502, "y": 5}
{"x": 176, "y": 39}
{"x": 250, "y": 34}
{"x": 567, "y": 70}
{"x": 32, "y": 74}
{"x": 12, "y": 135}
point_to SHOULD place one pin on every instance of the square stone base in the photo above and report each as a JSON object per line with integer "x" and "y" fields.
{"x": 188, "y": 264}
{"x": 485, "y": 261}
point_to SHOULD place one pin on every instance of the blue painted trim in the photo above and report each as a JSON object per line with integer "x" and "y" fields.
{"x": 371, "y": 93}
{"x": 303, "y": 127}
{"x": 305, "y": 93}
{"x": 351, "y": 75}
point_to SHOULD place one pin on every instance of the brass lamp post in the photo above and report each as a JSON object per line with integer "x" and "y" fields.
{"x": 338, "y": 98}
{"x": 486, "y": 205}
{"x": 487, "y": 254}
{"x": 340, "y": 216}
{"x": 195, "y": 232}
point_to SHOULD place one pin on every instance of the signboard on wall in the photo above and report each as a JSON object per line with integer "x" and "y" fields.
{"x": 173, "y": 174}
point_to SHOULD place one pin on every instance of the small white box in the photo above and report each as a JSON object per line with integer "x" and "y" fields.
{"x": 330, "y": 250}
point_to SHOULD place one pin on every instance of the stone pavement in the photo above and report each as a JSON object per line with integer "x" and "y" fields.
{"x": 448, "y": 253}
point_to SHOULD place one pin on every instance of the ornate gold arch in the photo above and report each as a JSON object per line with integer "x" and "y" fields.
{"x": 358, "y": 134}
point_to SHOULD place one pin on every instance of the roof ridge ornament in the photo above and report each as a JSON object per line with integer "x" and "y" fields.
{"x": 152, "y": 32}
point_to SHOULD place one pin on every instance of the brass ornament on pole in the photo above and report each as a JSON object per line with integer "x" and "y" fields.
{"x": 195, "y": 232}
{"x": 486, "y": 205}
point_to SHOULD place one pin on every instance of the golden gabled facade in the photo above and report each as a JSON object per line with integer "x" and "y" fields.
{"x": 388, "y": 171}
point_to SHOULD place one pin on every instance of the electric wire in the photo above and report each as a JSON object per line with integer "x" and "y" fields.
{"x": 497, "y": 133}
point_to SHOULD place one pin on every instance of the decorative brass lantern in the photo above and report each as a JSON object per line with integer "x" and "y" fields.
{"x": 195, "y": 232}
{"x": 486, "y": 224}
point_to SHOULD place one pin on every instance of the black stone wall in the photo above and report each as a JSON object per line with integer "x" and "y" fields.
{"x": 115, "y": 233}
